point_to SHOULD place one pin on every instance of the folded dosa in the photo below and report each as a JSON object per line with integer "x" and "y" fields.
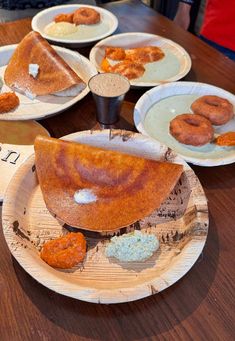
{"x": 127, "y": 187}
{"x": 54, "y": 74}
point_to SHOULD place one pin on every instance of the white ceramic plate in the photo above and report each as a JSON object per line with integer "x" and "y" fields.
{"x": 175, "y": 65}
{"x": 86, "y": 34}
{"x": 44, "y": 106}
{"x": 158, "y": 106}
{"x": 181, "y": 225}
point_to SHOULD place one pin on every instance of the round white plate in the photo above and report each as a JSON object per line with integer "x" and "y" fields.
{"x": 44, "y": 106}
{"x": 181, "y": 225}
{"x": 158, "y": 106}
{"x": 86, "y": 35}
{"x": 175, "y": 65}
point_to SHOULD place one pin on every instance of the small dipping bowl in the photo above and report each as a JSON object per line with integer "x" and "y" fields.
{"x": 108, "y": 91}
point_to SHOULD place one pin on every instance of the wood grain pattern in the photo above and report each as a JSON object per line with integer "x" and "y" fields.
{"x": 201, "y": 305}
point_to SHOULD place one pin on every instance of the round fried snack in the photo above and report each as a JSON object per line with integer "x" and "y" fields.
{"x": 65, "y": 252}
{"x": 226, "y": 139}
{"x": 216, "y": 109}
{"x": 191, "y": 129}
{"x": 68, "y": 17}
{"x": 86, "y": 16}
{"x": 105, "y": 66}
{"x": 144, "y": 55}
{"x": 115, "y": 53}
{"x": 129, "y": 69}
{"x": 8, "y": 102}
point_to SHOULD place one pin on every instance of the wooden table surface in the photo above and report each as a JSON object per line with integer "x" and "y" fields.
{"x": 198, "y": 307}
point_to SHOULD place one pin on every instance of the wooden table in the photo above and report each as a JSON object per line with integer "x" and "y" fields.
{"x": 198, "y": 307}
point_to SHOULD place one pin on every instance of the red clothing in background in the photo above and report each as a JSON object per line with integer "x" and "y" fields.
{"x": 219, "y": 22}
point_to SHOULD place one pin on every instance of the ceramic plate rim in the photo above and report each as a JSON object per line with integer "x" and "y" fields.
{"x": 114, "y": 19}
{"x": 90, "y": 295}
{"x": 63, "y": 107}
{"x": 134, "y": 83}
{"x": 140, "y": 126}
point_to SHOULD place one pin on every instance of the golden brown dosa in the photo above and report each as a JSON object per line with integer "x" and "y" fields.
{"x": 54, "y": 73}
{"x": 127, "y": 187}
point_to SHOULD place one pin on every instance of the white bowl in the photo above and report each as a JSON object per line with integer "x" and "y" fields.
{"x": 106, "y": 27}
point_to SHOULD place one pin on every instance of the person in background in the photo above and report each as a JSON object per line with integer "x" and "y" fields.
{"x": 168, "y": 8}
{"x": 218, "y": 27}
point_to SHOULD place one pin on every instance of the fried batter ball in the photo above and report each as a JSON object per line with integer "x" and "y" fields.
{"x": 226, "y": 139}
{"x": 129, "y": 69}
{"x": 115, "y": 53}
{"x": 216, "y": 109}
{"x": 144, "y": 55}
{"x": 105, "y": 66}
{"x": 8, "y": 102}
{"x": 68, "y": 17}
{"x": 191, "y": 129}
{"x": 65, "y": 252}
{"x": 86, "y": 16}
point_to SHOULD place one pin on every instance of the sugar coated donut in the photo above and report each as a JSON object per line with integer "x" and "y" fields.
{"x": 86, "y": 16}
{"x": 218, "y": 110}
{"x": 64, "y": 252}
{"x": 191, "y": 129}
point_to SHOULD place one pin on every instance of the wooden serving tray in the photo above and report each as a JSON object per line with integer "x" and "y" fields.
{"x": 181, "y": 225}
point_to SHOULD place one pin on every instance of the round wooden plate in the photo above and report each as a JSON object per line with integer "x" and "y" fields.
{"x": 181, "y": 225}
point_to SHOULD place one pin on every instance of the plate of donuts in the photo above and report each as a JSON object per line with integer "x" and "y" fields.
{"x": 145, "y": 59}
{"x": 196, "y": 120}
{"x": 74, "y": 25}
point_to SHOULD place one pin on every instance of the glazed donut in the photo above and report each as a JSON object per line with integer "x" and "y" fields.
{"x": 129, "y": 69}
{"x": 64, "y": 252}
{"x": 64, "y": 18}
{"x": 115, "y": 53}
{"x": 191, "y": 129}
{"x": 218, "y": 110}
{"x": 86, "y": 16}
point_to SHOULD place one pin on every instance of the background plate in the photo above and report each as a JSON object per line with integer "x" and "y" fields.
{"x": 16, "y": 145}
{"x": 44, "y": 106}
{"x": 153, "y": 120}
{"x": 175, "y": 65}
{"x": 181, "y": 225}
{"x": 88, "y": 33}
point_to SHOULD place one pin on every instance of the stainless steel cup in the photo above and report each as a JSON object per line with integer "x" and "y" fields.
{"x": 108, "y": 91}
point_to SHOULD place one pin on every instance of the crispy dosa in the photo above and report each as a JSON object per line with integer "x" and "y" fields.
{"x": 54, "y": 74}
{"x": 128, "y": 188}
